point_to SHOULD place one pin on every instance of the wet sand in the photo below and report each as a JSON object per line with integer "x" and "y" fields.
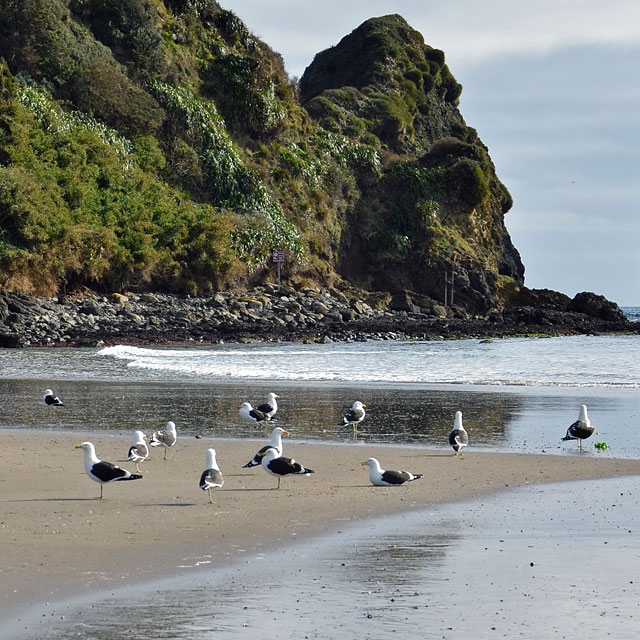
{"x": 58, "y": 540}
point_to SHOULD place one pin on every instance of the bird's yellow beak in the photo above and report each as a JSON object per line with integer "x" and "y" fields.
{"x": 285, "y": 433}
{"x": 78, "y": 446}
{"x": 239, "y": 406}
{"x": 363, "y": 463}
{"x": 364, "y": 405}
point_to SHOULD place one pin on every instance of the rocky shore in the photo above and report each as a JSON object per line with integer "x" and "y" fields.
{"x": 272, "y": 313}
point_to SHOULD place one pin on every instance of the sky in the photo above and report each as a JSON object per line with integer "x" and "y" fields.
{"x": 553, "y": 89}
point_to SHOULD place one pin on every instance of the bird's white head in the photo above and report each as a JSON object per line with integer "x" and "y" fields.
{"x": 48, "y": 392}
{"x": 211, "y": 458}
{"x": 358, "y": 405}
{"x": 245, "y": 405}
{"x": 372, "y": 463}
{"x": 583, "y": 414}
{"x": 139, "y": 437}
{"x": 457, "y": 423}
{"x": 88, "y": 448}
{"x": 171, "y": 426}
{"x": 281, "y": 431}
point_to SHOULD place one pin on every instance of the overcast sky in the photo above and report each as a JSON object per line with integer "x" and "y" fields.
{"x": 553, "y": 89}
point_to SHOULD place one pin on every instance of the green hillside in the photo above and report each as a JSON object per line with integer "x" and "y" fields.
{"x": 159, "y": 145}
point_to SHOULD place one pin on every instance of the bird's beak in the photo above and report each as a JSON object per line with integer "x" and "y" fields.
{"x": 364, "y": 405}
{"x": 285, "y": 433}
{"x": 239, "y": 406}
{"x": 278, "y": 397}
{"x": 363, "y": 463}
{"x": 78, "y": 446}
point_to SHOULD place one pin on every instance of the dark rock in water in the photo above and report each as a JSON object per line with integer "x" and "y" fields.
{"x": 596, "y": 306}
{"x": 10, "y": 341}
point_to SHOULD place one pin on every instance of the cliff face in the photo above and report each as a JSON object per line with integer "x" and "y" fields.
{"x": 436, "y": 214}
{"x": 160, "y": 145}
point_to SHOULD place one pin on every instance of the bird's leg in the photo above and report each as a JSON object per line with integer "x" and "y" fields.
{"x": 137, "y": 468}
{"x": 279, "y": 481}
{"x": 165, "y": 453}
{"x": 210, "y": 500}
{"x": 101, "y": 488}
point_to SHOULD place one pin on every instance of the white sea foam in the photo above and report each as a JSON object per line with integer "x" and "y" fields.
{"x": 581, "y": 361}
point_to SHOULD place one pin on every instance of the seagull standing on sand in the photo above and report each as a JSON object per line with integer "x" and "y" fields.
{"x": 581, "y": 429}
{"x": 270, "y": 407}
{"x": 274, "y": 443}
{"x": 381, "y": 478}
{"x": 52, "y": 401}
{"x": 212, "y": 476}
{"x": 164, "y": 437}
{"x": 251, "y": 414}
{"x": 101, "y": 471}
{"x": 458, "y": 438}
{"x": 354, "y": 416}
{"x": 279, "y": 466}
{"x": 139, "y": 452}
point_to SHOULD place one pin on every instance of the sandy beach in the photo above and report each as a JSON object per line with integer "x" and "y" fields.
{"x": 59, "y": 540}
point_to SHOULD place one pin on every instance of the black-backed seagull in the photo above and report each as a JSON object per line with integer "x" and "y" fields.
{"x": 212, "y": 476}
{"x": 51, "y": 400}
{"x": 251, "y": 414}
{"x": 270, "y": 407}
{"x": 101, "y": 471}
{"x": 274, "y": 443}
{"x": 279, "y": 466}
{"x": 354, "y": 416}
{"x": 581, "y": 429}
{"x": 164, "y": 437}
{"x": 380, "y": 477}
{"x": 458, "y": 438}
{"x": 139, "y": 452}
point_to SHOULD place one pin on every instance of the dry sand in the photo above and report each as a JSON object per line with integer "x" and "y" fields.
{"x": 59, "y": 540}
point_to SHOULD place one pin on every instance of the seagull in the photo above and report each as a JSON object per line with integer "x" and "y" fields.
{"x": 270, "y": 407}
{"x": 164, "y": 437}
{"x": 354, "y": 416}
{"x": 581, "y": 429}
{"x": 51, "y": 400}
{"x": 280, "y": 466}
{"x": 274, "y": 443}
{"x": 251, "y": 414}
{"x": 212, "y": 476}
{"x": 381, "y": 478}
{"x": 139, "y": 452}
{"x": 102, "y": 471}
{"x": 458, "y": 438}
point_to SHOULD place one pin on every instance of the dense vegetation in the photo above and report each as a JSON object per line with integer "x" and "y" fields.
{"x": 159, "y": 144}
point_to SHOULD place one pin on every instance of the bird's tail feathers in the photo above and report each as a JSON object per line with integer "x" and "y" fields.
{"x": 133, "y": 476}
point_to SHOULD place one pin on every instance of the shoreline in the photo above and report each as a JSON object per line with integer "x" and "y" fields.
{"x": 59, "y": 541}
{"x": 287, "y": 314}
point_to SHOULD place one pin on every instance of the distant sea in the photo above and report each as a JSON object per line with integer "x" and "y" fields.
{"x": 632, "y": 313}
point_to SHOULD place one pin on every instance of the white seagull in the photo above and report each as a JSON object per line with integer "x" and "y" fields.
{"x": 251, "y": 414}
{"x": 458, "y": 438}
{"x": 354, "y": 416}
{"x": 51, "y": 400}
{"x": 101, "y": 471}
{"x": 381, "y": 478}
{"x": 164, "y": 437}
{"x": 581, "y": 429}
{"x": 212, "y": 476}
{"x": 270, "y": 407}
{"x": 279, "y": 466}
{"x": 274, "y": 443}
{"x": 139, "y": 452}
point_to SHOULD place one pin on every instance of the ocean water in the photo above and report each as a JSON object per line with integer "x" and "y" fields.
{"x": 632, "y": 313}
{"x": 515, "y": 394}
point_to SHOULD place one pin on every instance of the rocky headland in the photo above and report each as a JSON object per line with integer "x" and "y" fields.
{"x": 273, "y": 313}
